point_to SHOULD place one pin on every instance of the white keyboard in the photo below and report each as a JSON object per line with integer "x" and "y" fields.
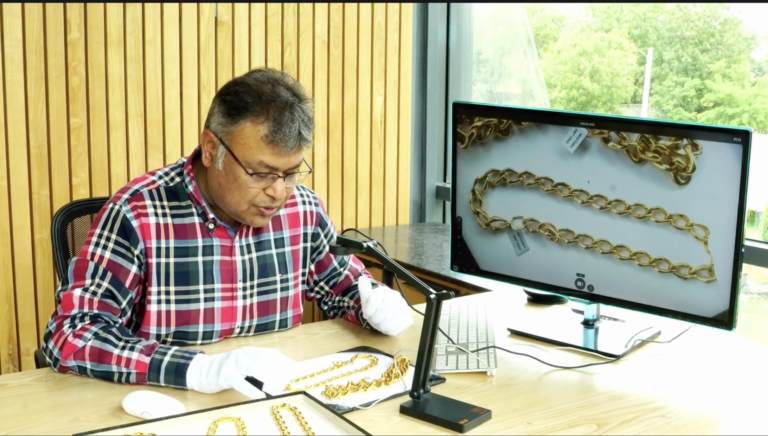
{"x": 470, "y": 326}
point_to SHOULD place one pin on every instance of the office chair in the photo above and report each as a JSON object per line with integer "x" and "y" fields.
{"x": 69, "y": 229}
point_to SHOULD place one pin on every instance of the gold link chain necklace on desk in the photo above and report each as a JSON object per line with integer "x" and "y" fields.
{"x": 394, "y": 373}
{"x": 675, "y": 156}
{"x": 495, "y": 177}
{"x": 296, "y": 413}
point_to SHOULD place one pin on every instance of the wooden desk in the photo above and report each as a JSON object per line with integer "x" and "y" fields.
{"x": 706, "y": 382}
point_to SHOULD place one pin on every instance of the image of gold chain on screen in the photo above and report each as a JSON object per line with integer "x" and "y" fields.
{"x": 618, "y": 207}
{"x": 675, "y": 156}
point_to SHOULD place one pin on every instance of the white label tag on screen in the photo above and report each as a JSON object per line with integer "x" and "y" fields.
{"x": 518, "y": 242}
{"x": 574, "y": 138}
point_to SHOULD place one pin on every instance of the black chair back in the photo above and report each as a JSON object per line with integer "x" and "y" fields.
{"x": 70, "y": 227}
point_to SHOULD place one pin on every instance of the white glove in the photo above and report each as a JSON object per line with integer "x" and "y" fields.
{"x": 385, "y": 309}
{"x": 212, "y": 374}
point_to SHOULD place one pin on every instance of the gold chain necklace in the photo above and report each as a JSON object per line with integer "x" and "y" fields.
{"x": 494, "y": 177}
{"x": 394, "y": 373}
{"x": 676, "y": 156}
{"x": 214, "y": 427}
{"x": 373, "y": 361}
{"x": 296, "y": 413}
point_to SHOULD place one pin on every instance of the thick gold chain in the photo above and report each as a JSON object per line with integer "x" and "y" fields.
{"x": 393, "y": 374}
{"x": 214, "y": 427}
{"x": 373, "y": 361}
{"x": 495, "y": 177}
{"x": 299, "y": 417}
{"x": 676, "y": 156}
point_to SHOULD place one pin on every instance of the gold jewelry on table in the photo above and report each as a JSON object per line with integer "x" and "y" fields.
{"x": 393, "y": 374}
{"x": 238, "y": 422}
{"x": 639, "y": 211}
{"x": 676, "y": 156}
{"x": 336, "y": 365}
{"x": 296, "y": 413}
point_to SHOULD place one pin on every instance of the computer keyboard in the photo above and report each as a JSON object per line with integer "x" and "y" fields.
{"x": 470, "y": 326}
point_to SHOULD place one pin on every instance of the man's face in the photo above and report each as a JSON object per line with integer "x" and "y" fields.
{"x": 231, "y": 191}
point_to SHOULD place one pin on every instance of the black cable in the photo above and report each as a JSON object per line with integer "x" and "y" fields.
{"x": 587, "y": 364}
{"x": 397, "y": 280}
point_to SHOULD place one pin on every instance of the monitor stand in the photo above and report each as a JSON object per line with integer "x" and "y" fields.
{"x": 587, "y": 330}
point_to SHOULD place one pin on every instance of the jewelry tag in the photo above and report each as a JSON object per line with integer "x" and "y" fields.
{"x": 574, "y": 138}
{"x": 518, "y": 242}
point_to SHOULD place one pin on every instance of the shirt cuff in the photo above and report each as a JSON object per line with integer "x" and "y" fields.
{"x": 168, "y": 366}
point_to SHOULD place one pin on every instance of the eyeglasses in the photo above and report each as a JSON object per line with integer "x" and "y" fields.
{"x": 265, "y": 180}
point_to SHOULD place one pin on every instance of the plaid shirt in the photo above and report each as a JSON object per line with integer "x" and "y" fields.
{"x": 159, "y": 271}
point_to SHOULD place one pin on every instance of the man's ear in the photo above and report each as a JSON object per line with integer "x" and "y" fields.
{"x": 210, "y": 148}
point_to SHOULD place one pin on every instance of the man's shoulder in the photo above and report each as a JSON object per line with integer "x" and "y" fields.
{"x": 306, "y": 198}
{"x": 161, "y": 185}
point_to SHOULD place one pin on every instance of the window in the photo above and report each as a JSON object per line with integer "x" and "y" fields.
{"x": 698, "y": 62}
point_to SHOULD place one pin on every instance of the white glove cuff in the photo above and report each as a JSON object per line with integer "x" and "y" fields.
{"x": 200, "y": 361}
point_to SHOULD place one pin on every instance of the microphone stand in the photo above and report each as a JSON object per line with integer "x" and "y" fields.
{"x": 424, "y": 404}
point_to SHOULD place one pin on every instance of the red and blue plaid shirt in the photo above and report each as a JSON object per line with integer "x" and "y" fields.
{"x": 159, "y": 271}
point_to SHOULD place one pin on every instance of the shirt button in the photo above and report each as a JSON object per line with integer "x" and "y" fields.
{"x": 237, "y": 330}
{"x": 211, "y": 226}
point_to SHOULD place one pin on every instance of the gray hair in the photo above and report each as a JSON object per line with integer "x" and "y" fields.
{"x": 266, "y": 96}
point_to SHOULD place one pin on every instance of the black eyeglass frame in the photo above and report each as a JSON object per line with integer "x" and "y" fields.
{"x": 300, "y": 175}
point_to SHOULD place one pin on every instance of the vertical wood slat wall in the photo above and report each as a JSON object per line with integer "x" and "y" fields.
{"x": 92, "y": 95}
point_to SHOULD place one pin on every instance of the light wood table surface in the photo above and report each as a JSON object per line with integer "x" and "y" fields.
{"x": 706, "y": 382}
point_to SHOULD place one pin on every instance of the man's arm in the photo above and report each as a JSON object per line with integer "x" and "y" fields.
{"x": 87, "y": 334}
{"x": 333, "y": 279}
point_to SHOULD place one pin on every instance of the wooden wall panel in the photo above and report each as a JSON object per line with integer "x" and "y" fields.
{"x": 97, "y": 94}
{"x": 306, "y": 65}
{"x": 78, "y": 104}
{"x": 335, "y": 110}
{"x": 189, "y": 79}
{"x": 18, "y": 173}
{"x": 364, "y": 62}
{"x": 241, "y": 36}
{"x": 349, "y": 126}
{"x": 34, "y": 34}
{"x": 97, "y": 99}
{"x": 153, "y": 84}
{"x": 9, "y": 345}
{"x": 320, "y": 154}
{"x": 172, "y": 82}
{"x": 378, "y": 88}
{"x": 391, "y": 99}
{"x": 258, "y": 35}
{"x": 116, "y": 101}
{"x": 134, "y": 67}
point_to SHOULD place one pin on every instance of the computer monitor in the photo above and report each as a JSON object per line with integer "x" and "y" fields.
{"x": 639, "y": 214}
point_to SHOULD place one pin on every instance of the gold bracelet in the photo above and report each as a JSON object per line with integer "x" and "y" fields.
{"x": 239, "y": 422}
{"x": 296, "y": 413}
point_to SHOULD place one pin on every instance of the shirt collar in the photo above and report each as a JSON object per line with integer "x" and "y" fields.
{"x": 190, "y": 184}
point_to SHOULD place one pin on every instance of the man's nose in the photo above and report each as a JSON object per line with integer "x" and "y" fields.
{"x": 277, "y": 189}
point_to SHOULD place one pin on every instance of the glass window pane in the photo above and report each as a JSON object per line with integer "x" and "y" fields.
{"x": 699, "y": 62}
{"x": 753, "y": 304}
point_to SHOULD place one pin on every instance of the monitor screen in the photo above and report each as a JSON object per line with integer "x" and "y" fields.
{"x": 636, "y": 213}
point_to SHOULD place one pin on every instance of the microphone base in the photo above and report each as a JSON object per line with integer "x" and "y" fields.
{"x": 446, "y": 412}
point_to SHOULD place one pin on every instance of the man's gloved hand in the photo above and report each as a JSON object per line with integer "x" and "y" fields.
{"x": 385, "y": 309}
{"x": 211, "y": 374}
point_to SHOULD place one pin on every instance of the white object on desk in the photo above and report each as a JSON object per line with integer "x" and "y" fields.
{"x": 151, "y": 405}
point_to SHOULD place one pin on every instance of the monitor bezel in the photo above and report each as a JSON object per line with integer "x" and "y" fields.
{"x": 613, "y": 122}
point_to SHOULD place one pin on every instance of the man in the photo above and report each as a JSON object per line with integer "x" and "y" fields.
{"x": 220, "y": 244}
